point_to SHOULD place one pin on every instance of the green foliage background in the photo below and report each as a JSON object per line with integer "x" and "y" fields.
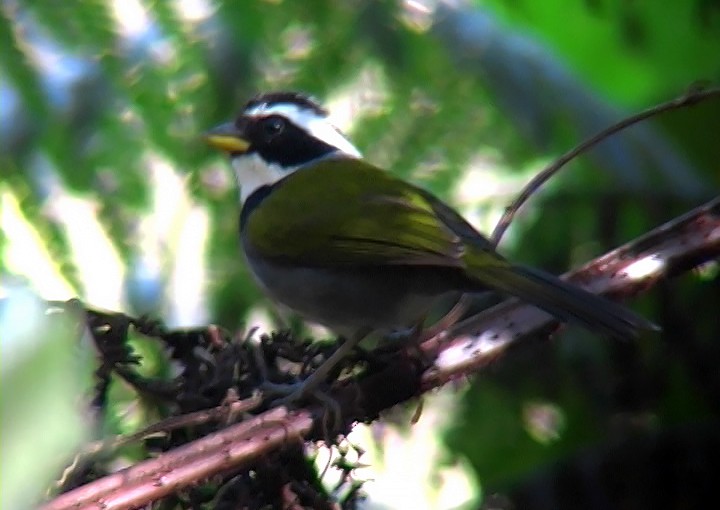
{"x": 506, "y": 86}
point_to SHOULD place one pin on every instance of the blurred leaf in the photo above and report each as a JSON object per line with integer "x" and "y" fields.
{"x": 43, "y": 372}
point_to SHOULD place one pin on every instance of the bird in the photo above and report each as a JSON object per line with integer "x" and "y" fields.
{"x": 353, "y": 247}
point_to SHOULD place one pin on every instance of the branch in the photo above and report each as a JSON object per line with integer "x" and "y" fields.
{"x": 186, "y": 465}
{"x": 666, "y": 251}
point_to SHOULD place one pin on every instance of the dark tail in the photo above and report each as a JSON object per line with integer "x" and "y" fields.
{"x": 565, "y": 301}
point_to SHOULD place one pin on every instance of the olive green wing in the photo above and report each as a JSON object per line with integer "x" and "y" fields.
{"x": 345, "y": 212}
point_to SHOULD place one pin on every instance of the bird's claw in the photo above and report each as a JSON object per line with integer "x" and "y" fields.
{"x": 293, "y": 393}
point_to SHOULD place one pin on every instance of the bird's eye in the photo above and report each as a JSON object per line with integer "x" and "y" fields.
{"x": 273, "y": 126}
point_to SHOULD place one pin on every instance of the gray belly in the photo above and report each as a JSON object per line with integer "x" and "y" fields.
{"x": 348, "y": 299}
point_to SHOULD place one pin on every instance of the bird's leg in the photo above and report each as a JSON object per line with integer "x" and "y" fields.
{"x": 299, "y": 390}
{"x": 418, "y": 334}
{"x": 448, "y": 320}
{"x": 309, "y": 385}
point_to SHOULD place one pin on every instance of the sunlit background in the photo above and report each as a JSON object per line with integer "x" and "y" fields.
{"x": 107, "y": 193}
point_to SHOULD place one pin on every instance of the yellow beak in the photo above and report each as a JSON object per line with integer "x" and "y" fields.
{"x": 227, "y": 137}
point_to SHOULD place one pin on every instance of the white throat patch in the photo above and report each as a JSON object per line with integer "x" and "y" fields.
{"x": 317, "y": 125}
{"x": 252, "y": 172}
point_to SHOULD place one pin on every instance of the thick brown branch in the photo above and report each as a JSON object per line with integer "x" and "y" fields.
{"x": 230, "y": 448}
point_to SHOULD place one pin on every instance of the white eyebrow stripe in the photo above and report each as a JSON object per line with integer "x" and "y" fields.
{"x": 317, "y": 125}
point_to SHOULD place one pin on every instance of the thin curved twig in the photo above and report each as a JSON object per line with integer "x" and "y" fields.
{"x": 693, "y": 96}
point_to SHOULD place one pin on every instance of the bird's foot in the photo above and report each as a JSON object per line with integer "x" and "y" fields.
{"x": 291, "y": 394}
{"x": 285, "y": 393}
{"x": 402, "y": 339}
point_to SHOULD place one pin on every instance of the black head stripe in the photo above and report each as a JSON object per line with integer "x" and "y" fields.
{"x": 293, "y": 147}
{"x": 290, "y": 145}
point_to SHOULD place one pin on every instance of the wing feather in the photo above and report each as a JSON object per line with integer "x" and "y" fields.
{"x": 347, "y": 212}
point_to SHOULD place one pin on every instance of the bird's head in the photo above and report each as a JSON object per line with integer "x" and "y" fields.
{"x": 274, "y": 135}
